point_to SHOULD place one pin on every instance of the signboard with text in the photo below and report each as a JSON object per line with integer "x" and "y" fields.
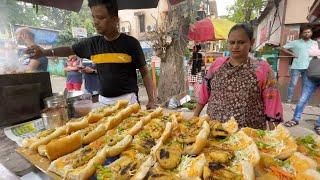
{"x": 78, "y": 32}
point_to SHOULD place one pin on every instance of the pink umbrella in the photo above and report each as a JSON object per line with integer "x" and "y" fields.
{"x": 202, "y": 31}
{"x": 210, "y": 30}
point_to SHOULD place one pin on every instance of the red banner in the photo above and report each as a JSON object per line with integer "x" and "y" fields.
{"x": 173, "y": 2}
{"x": 263, "y": 34}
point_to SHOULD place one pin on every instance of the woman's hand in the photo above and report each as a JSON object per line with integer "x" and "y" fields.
{"x": 198, "y": 109}
{"x": 151, "y": 105}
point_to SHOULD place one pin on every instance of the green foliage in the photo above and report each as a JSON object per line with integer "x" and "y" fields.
{"x": 81, "y": 19}
{"x": 65, "y": 38}
{"x": 224, "y": 45}
{"x": 20, "y": 14}
{"x": 187, "y": 53}
{"x": 47, "y": 17}
{"x": 246, "y": 10}
{"x": 190, "y": 105}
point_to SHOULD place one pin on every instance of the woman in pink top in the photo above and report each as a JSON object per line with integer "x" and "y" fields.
{"x": 240, "y": 86}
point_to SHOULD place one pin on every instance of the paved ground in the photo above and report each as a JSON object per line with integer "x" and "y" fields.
{"x": 311, "y": 113}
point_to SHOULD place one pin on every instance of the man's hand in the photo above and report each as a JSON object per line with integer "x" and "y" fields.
{"x": 87, "y": 70}
{"x": 288, "y": 51}
{"x": 35, "y": 51}
{"x": 149, "y": 86}
{"x": 294, "y": 55}
{"x": 151, "y": 105}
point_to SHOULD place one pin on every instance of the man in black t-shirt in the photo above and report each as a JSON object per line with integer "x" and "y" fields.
{"x": 116, "y": 55}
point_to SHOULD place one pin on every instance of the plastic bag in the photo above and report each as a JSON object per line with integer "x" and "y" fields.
{"x": 173, "y": 103}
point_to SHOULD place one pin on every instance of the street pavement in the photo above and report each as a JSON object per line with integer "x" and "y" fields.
{"x": 311, "y": 113}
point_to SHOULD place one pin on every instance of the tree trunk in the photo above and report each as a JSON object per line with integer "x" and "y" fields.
{"x": 172, "y": 76}
{"x": 248, "y": 11}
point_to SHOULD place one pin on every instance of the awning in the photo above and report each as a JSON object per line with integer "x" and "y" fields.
{"x": 314, "y": 13}
{"x": 75, "y": 5}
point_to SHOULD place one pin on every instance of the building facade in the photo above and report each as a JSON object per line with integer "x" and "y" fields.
{"x": 278, "y": 24}
{"x": 140, "y": 22}
{"x": 314, "y": 13}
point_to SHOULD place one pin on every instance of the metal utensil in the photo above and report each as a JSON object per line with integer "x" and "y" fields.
{"x": 65, "y": 93}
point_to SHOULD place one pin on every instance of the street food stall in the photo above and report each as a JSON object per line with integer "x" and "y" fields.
{"x": 124, "y": 141}
{"x": 211, "y": 56}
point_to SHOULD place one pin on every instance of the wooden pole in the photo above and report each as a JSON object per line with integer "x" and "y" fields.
{"x": 154, "y": 80}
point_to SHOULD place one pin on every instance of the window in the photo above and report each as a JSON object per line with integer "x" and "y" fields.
{"x": 142, "y": 23}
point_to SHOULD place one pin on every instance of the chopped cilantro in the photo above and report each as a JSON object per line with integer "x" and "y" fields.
{"x": 307, "y": 140}
{"x": 120, "y": 129}
{"x": 103, "y": 172}
{"x": 96, "y": 165}
{"x": 145, "y": 134}
{"x": 261, "y": 133}
{"x": 223, "y": 140}
{"x": 309, "y": 143}
{"x": 283, "y": 163}
{"x": 188, "y": 123}
{"x": 262, "y": 145}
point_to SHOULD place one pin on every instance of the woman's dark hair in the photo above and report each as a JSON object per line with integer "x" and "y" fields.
{"x": 198, "y": 47}
{"x": 111, "y": 5}
{"x": 246, "y": 27}
{"x": 305, "y": 27}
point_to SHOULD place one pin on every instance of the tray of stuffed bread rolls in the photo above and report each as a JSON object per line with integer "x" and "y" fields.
{"x": 153, "y": 144}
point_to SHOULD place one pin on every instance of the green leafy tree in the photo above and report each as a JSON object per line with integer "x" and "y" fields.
{"x": 82, "y": 19}
{"x": 22, "y": 13}
{"x": 245, "y": 10}
{"x": 53, "y": 18}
